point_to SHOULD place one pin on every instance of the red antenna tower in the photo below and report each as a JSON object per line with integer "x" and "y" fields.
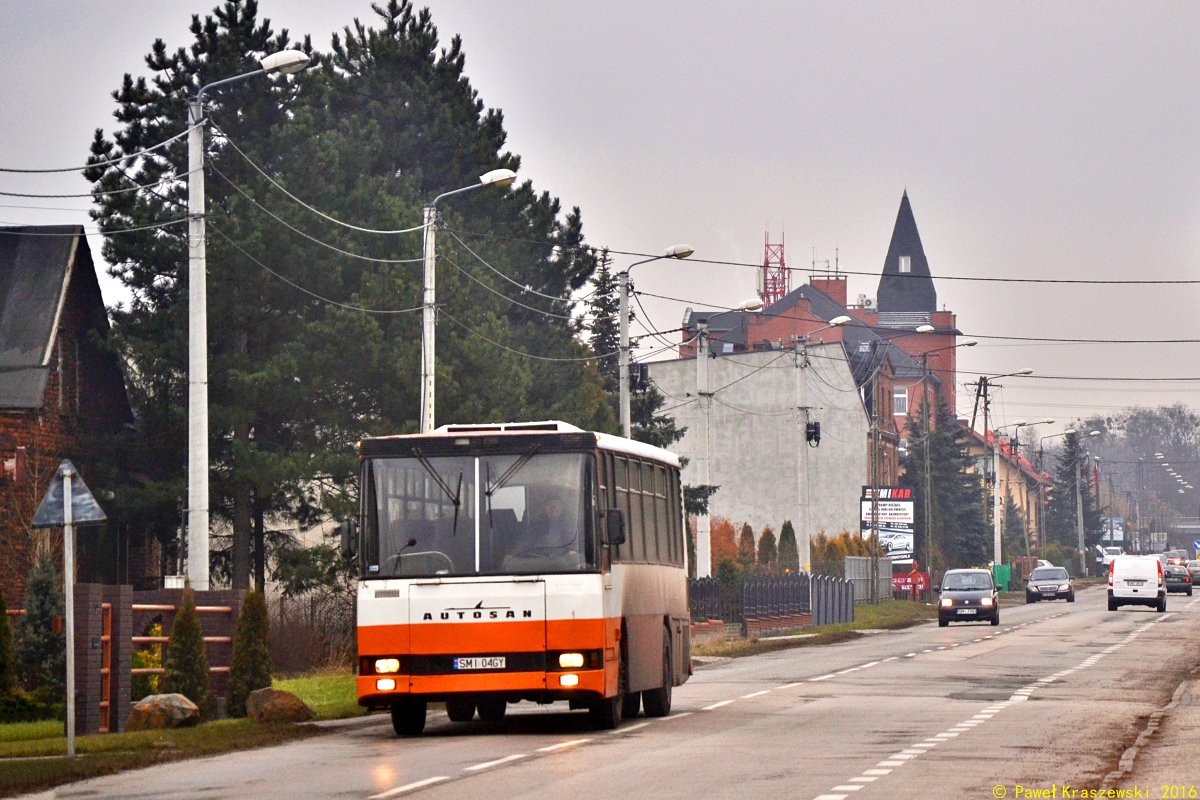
{"x": 775, "y": 280}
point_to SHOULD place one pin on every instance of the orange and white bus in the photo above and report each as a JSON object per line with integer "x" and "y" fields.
{"x": 524, "y": 561}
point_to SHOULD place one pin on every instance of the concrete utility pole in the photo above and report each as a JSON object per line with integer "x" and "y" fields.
{"x": 1079, "y": 515}
{"x": 69, "y": 602}
{"x": 704, "y": 397}
{"x": 875, "y": 493}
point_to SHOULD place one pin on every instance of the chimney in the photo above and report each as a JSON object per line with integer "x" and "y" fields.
{"x": 833, "y": 285}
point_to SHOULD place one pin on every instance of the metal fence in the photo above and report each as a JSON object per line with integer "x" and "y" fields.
{"x": 832, "y": 600}
{"x": 767, "y": 597}
{"x": 858, "y": 572}
{"x": 775, "y": 596}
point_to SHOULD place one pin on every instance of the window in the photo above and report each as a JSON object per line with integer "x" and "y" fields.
{"x": 900, "y": 401}
{"x": 906, "y": 263}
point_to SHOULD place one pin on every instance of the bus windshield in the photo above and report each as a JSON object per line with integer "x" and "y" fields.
{"x": 479, "y": 515}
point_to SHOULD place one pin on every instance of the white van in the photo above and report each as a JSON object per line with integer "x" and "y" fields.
{"x": 1136, "y": 581}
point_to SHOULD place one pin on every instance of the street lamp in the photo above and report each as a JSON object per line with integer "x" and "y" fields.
{"x": 500, "y": 178}
{"x": 676, "y": 251}
{"x": 285, "y": 62}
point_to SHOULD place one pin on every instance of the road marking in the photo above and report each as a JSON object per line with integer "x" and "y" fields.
{"x": 864, "y": 779}
{"x": 408, "y": 787}
{"x": 496, "y": 763}
{"x": 873, "y": 663}
{"x": 830, "y": 797}
{"x": 756, "y": 694}
{"x": 910, "y": 655}
{"x": 893, "y": 658}
{"x": 629, "y": 728}
{"x": 563, "y": 745}
{"x": 715, "y": 706}
{"x": 845, "y": 671}
{"x": 675, "y": 716}
{"x": 822, "y": 677}
{"x": 877, "y": 772}
{"x": 903, "y": 756}
{"x": 890, "y": 763}
{"x": 847, "y": 787}
{"x": 792, "y": 685}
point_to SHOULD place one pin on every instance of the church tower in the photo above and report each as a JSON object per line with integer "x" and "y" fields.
{"x": 905, "y": 286}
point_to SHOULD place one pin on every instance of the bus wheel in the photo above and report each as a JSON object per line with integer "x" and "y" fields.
{"x": 460, "y": 709}
{"x": 657, "y": 702}
{"x": 491, "y": 708}
{"x": 605, "y": 712}
{"x": 408, "y": 717}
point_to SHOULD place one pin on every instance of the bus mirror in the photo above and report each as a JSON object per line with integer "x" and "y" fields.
{"x": 614, "y": 526}
{"x": 349, "y": 533}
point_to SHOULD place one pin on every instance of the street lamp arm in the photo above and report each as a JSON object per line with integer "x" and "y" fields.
{"x": 225, "y": 82}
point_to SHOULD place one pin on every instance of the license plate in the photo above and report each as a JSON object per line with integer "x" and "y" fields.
{"x": 480, "y": 662}
{"x": 1134, "y": 583}
{"x": 967, "y": 610}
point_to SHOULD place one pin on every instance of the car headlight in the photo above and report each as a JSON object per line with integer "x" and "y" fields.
{"x": 985, "y": 601}
{"x": 947, "y": 602}
{"x": 1065, "y": 587}
{"x": 383, "y": 666}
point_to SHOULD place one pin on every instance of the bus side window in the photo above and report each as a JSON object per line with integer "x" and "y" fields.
{"x": 678, "y": 522}
{"x": 622, "y": 502}
{"x": 589, "y": 513}
{"x": 662, "y": 522}
{"x": 637, "y": 531}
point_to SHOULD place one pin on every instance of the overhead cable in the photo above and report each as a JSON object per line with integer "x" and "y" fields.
{"x": 110, "y": 161}
{"x": 300, "y": 202}
{"x": 93, "y": 232}
{"x": 137, "y": 188}
{"x": 471, "y": 330}
{"x": 500, "y": 294}
{"x": 481, "y": 260}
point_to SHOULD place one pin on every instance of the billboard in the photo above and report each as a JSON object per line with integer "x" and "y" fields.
{"x": 1112, "y": 529}
{"x": 895, "y": 524}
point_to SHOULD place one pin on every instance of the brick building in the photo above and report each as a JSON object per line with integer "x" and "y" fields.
{"x": 59, "y": 384}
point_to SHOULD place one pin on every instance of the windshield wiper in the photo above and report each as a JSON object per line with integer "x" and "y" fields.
{"x": 509, "y": 473}
{"x": 455, "y": 497}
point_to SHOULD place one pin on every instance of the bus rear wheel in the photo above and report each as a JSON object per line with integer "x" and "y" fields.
{"x": 408, "y": 717}
{"x": 657, "y": 702}
{"x": 492, "y": 708}
{"x": 460, "y": 709}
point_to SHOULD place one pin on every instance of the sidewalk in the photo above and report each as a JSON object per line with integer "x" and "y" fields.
{"x": 1167, "y": 753}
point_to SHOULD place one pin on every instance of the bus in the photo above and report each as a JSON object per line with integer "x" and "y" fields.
{"x": 525, "y": 561}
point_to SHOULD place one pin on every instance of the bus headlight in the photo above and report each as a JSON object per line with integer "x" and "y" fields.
{"x": 384, "y": 666}
{"x": 568, "y": 680}
{"x": 570, "y": 661}
{"x": 385, "y": 684}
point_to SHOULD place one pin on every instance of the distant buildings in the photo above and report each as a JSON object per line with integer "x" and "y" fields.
{"x": 771, "y": 377}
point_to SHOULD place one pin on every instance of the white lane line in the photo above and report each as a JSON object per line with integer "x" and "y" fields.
{"x": 847, "y": 671}
{"x": 903, "y": 756}
{"x": 496, "y": 763}
{"x": 675, "y": 716}
{"x": 792, "y": 685}
{"x": 563, "y": 745}
{"x": 847, "y": 787}
{"x": 821, "y": 677}
{"x": 756, "y": 694}
{"x": 871, "y": 664}
{"x": 864, "y": 779}
{"x": 830, "y": 797}
{"x": 877, "y": 772}
{"x": 629, "y": 728}
{"x": 890, "y": 763}
{"x": 408, "y": 787}
{"x": 910, "y": 655}
{"x": 715, "y": 706}
{"x": 893, "y": 658}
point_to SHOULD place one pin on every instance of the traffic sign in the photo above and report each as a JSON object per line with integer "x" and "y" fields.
{"x": 1196, "y": 545}
{"x": 84, "y": 508}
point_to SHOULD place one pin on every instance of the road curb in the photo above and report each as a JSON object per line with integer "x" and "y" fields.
{"x": 1125, "y": 764}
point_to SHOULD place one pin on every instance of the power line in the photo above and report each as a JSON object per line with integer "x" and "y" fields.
{"x": 309, "y": 292}
{"x": 311, "y": 238}
{"x": 138, "y": 188}
{"x": 94, "y": 164}
{"x": 297, "y": 200}
{"x": 500, "y": 294}
{"x": 94, "y": 232}
{"x": 471, "y": 330}
{"x": 498, "y": 272}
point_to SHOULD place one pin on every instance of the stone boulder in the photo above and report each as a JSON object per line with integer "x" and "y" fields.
{"x": 273, "y": 705}
{"x": 162, "y": 711}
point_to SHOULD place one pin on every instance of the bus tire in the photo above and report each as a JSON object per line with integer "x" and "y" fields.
{"x": 460, "y": 709}
{"x": 408, "y": 717}
{"x": 491, "y": 707}
{"x": 657, "y": 702}
{"x": 605, "y": 712}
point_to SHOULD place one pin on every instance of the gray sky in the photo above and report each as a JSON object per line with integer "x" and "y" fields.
{"x": 1035, "y": 140}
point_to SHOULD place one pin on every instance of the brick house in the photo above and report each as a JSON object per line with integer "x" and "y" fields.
{"x": 58, "y": 382}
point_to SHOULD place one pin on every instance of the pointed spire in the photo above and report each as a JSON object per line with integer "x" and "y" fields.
{"x": 906, "y": 284}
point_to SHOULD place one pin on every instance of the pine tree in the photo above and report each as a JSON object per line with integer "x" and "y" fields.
{"x": 186, "y": 670}
{"x": 6, "y": 650}
{"x": 250, "y": 667}
{"x": 40, "y": 653}
{"x": 746, "y": 550}
{"x": 789, "y": 552}
{"x": 1061, "y": 508}
{"x": 604, "y": 328}
{"x": 768, "y": 552}
{"x": 1015, "y": 531}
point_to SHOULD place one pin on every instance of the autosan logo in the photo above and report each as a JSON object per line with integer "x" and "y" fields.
{"x": 479, "y": 612}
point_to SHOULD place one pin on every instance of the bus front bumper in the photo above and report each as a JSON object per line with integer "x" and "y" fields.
{"x": 377, "y": 691}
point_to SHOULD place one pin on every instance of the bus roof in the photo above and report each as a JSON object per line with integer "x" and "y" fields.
{"x": 563, "y": 434}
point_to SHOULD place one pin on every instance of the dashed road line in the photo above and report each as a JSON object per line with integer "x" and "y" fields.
{"x": 496, "y": 763}
{"x": 756, "y": 694}
{"x": 563, "y": 745}
{"x": 408, "y": 787}
{"x": 715, "y": 706}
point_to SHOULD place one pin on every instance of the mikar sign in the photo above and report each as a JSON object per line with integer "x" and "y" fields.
{"x": 895, "y": 523}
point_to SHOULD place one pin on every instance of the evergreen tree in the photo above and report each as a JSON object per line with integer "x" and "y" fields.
{"x": 186, "y": 669}
{"x": 789, "y": 552}
{"x": 6, "y": 650}
{"x": 1015, "y": 534}
{"x": 961, "y": 537}
{"x": 768, "y": 553}
{"x": 41, "y": 654}
{"x": 646, "y": 424}
{"x": 1061, "y": 507}
{"x": 250, "y": 667}
{"x": 605, "y": 326}
{"x": 746, "y": 549}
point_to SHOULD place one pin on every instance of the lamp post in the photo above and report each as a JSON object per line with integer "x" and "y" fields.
{"x": 677, "y": 251}
{"x": 285, "y": 62}
{"x": 498, "y": 177}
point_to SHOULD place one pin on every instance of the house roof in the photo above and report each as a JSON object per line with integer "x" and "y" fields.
{"x": 37, "y": 264}
{"x": 911, "y": 292}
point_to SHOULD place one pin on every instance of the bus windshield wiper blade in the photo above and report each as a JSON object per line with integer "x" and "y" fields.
{"x": 511, "y": 471}
{"x": 433, "y": 473}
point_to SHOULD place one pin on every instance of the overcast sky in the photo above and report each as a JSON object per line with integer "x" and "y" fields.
{"x": 1041, "y": 140}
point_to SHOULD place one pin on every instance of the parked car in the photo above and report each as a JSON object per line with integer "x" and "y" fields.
{"x": 1049, "y": 583}
{"x": 1175, "y": 571}
{"x": 1136, "y": 581}
{"x": 1193, "y": 568}
{"x": 968, "y": 595}
{"x": 1043, "y": 563}
{"x": 1110, "y": 553}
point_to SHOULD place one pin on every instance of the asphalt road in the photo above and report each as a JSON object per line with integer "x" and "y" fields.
{"x": 1051, "y": 696}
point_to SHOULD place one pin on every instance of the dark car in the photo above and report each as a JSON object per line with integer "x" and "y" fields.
{"x": 1049, "y": 583}
{"x": 1193, "y": 568}
{"x": 1175, "y": 571}
{"x": 968, "y": 595}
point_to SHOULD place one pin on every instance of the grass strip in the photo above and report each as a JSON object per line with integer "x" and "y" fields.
{"x": 332, "y": 694}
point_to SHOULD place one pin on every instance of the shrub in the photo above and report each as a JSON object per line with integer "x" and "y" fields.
{"x": 6, "y": 651}
{"x": 768, "y": 553}
{"x": 789, "y": 552}
{"x": 30, "y": 707}
{"x": 186, "y": 670}
{"x": 41, "y": 654}
{"x": 723, "y": 540}
{"x": 746, "y": 551}
{"x": 150, "y": 657}
{"x": 250, "y": 667}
